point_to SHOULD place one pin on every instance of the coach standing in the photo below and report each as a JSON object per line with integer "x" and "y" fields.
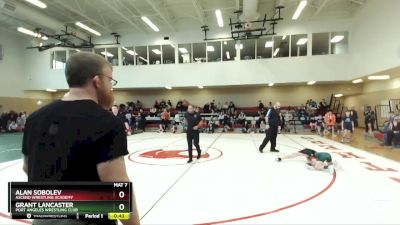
{"x": 193, "y": 121}
{"x": 272, "y": 132}
{"x": 77, "y": 138}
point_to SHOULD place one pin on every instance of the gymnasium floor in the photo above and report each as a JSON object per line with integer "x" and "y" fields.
{"x": 233, "y": 183}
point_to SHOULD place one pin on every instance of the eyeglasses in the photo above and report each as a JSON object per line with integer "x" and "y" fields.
{"x": 113, "y": 82}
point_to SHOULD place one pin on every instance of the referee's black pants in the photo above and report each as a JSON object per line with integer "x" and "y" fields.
{"x": 270, "y": 135}
{"x": 193, "y": 138}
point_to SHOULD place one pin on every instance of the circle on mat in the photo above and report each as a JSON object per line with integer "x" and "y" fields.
{"x": 172, "y": 155}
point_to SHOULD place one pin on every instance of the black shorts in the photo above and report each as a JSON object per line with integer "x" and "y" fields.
{"x": 347, "y": 126}
{"x": 308, "y": 152}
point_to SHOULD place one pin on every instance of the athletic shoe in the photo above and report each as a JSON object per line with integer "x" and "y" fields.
{"x": 189, "y": 161}
{"x": 278, "y": 159}
{"x": 260, "y": 149}
{"x": 274, "y": 150}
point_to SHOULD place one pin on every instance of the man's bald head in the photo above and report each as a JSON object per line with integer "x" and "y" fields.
{"x": 83, "y": 66}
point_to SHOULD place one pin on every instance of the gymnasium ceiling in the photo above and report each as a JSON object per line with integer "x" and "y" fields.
{"x": 172, "y": 15}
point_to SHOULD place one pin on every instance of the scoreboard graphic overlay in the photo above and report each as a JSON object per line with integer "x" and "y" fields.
{"x": 69, "y": 200}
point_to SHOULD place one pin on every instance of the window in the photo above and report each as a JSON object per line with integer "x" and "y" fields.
{"x": 168, "y": 53}
{"x": 128, "y": 56}
{"x": 199, "y": 52}
{"x": 185, "y": 53}
{"x": 299, "y": 45}
{"x": 155, "y": 54}
{"x": 264, "y": 48}
{"x": 58, "y": 59}
{"x": 112, "y": 55}
{"x": 320, "y": 44}
{"x": 339, "y": 42}
{"x": 247, "y": 49}
{"x": 214, "y": 51}
{"x": 141, "y": 57}
{"x": 228, "y": 50}
{"x": 281, "y": 46}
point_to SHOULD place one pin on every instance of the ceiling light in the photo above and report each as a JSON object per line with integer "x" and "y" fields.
{"x": 130, "y": 52}
{"x": 124, "y": 48}
{"x": 379, "y": 77}
{"x": 276, "y": 51}
{"x": 225, "y": 42}
{"x": 228, "y": 56}
{"x": 269, "y": 44}
{"x": 338, "y": 95}
{"x": 302, "y": 41}
{"x": 31, "y": 33}
{"x": 107, "y": 54}
{"x": 284, "y": 37}
{"x": 201, "y": 87}
{"x": 311, "y": 82}
{"x": 183, "y": 50}
{"x": 168, "y": 87}
{"x": 39, "y": 102}
{"x": 210, "y": 48}
{"x": 271, "y": 84}
{"x": 299, "y": 9}
{"x": 37, "y": 3}
{"x": 156, "y": 51}
{"x": 219, "y": 18}
{"x": 238, "y": 46}
{"x": 150, "y": 24}
{"x": 357, "y": 81}
{"x": 83, "y": 26}
{"x": 337, "y": 38}
{"x": 51, "y": 90}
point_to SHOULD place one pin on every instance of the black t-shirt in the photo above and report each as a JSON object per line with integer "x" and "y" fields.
{"x": 65, "y": 140}
{"x": 192, "y": 120}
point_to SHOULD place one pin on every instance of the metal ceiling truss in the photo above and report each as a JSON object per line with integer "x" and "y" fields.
{"x": 239, "y": 31}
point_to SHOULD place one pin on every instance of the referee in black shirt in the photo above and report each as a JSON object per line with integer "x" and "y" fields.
{"x": 193, "y": 121}
{"x": 272, "y": 132}
{"x": 76, "y": 138}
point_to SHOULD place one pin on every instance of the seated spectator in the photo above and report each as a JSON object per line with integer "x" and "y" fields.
{"x": 261, "y": 118}
{"x": 263, "y": 127}
{"x": 212, "y": 124}
{"x": 169, "y": 104}
{"x": 219, "y": 107}
{"x": 221, "y": 118}
{"x": 246, "y": 127}
{"x": 213, "y": 106}
{"x": 153, "y": 112}
{"x": 241, "y": 119}
{"x": 156, "y": 105}
{"x": 13, "y": 127}
{"x": 260, "y": 105}
{"x": 163, "y": 104}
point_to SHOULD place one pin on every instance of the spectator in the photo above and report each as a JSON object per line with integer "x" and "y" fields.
{"x": 213, "y": 106}
{"x": 353, "y": 113}
{"x": 141, "y": 120}
{"x": 396, "y": 133}
{"x": 368, "y": 120}
{"x": 169, "y": 103}
{"x": 225, "y": 107}
{"x": 164, "y": 120}
{"x": 179, "y": 106}
{"x": 231, "y": 108}
{"x": 122, "y": 118}
{"x": 206, "y": 108}
{"x": 153, "y": 112}
{"x": 219, "y": 107}
{"x": 139, "y": 105}
{"x": 241, "y": 119}
{"x": 177, "y": 122}
{"x": 260, "y": 105}
{"x": 263, "y": 127}
{"x": 156, "y": 105}
{"x": 330, "y": 122}
{"x": 221, "y": 118}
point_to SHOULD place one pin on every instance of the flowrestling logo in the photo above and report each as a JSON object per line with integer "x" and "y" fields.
{"x": 173, "y": 155}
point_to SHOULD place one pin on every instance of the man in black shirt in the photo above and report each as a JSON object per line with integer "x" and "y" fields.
{"x": 76, "y": 138}
{"x": 272, "y": 132}
{"x": 193, "y": 121}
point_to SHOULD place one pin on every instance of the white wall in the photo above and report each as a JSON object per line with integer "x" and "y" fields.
{"x": 374, "y": 45}
{"x": 375, "y": 37}
{"x": 11, "y": 69}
